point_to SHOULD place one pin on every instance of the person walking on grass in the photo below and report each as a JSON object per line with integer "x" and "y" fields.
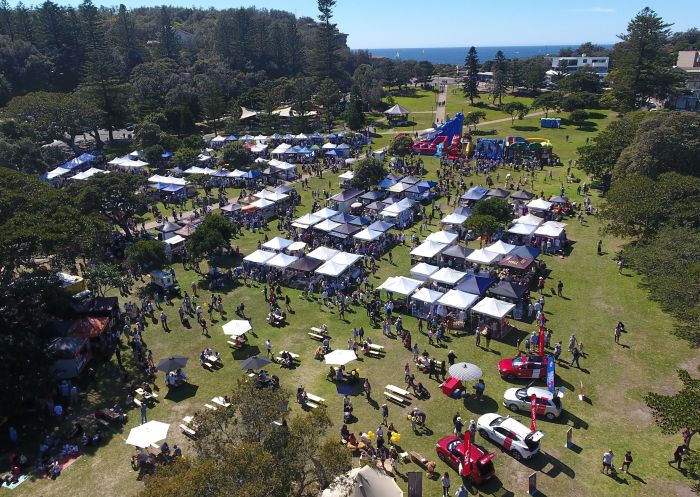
{"x": 627, "y": 462}
{"x": 560, "y": 288}
{"x": 385, "y": 415}
{"x": 368, "y": 389}
{"x": 618, "y": 332}
{"x": 608, "y": 462}
{"x": 600, "y": 247}
{"x": 144, "y": 414}
{"x": 576, "y": 355}
{"x": 268, "y": 346}
{"x": 678, "y": 455}
{"x": 445, "y": 481}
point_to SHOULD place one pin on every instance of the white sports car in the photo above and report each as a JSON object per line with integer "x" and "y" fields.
{"x": 512, "y": 435}
{"x": 520, "y": 399}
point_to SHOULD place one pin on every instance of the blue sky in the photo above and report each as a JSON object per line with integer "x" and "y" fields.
{"x": 457, "y": 23}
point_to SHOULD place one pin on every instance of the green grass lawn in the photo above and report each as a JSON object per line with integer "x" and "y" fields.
{"x": 415, "y": 99}
{"x": 595, "y": 298}
{"x": 457, "y": 102}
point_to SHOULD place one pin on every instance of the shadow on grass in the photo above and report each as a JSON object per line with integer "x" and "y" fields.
{"x": 478, "y": 407}
{"x": 245, "y": 352}
{"x": 181, "y": 393}
{"x": 526, "y": 128}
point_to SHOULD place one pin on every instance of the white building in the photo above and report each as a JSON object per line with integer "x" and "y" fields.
{"x": 570, "y": 64}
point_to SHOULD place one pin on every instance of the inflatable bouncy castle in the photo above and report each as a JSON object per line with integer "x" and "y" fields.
{"x": 445, "y": 140}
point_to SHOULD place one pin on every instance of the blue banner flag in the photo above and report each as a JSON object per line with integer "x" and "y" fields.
{"x": 550, "y": 373}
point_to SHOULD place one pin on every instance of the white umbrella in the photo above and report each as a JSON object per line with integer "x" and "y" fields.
{"x": 237, "y": 327}
{"x": 148, "y": 434}
{"x": 340, "y": 357}
{"x": 465, "y": 371}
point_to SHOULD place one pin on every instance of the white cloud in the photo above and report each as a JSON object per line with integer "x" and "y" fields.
{"x": 595, "y": 10}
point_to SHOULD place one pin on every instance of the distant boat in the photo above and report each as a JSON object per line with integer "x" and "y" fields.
{"x": 398, "y": 55}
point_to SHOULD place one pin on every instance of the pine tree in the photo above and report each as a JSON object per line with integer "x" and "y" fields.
{"x": 324, "y": 57}
{"x": 515, "y": 74}
{"x": 471, "y": 85}
{"x": 498, "y": 86}
{"x": 354, "y": 117}
{"x": 168, "y": 41}
{"x": 328, "y": 100}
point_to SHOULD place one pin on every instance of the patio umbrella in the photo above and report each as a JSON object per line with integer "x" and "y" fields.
{"x": 172, "y": 363}
{"x": 255, "y": 362}
{"x": 148, "y": 434}
{"x": 237, "y": 327}
{"x": 465, "y": 371}
{"x": 340, "y": 357}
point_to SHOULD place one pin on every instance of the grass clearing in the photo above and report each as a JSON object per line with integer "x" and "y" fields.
{"x": 596, "y": 297}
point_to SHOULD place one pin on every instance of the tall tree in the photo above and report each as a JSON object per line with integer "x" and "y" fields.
{"x": 213, "y": 235}
{"x": 498, "y": 86}
{"x": 548, "y": 101}
{"x": 515, "y": 109}
{"x": 643, "y": 66}
{"x": 471, "y": 82}
{"x": 325, "y": 56}
{"x": 301, "y": 105}
{"x": 354, "y": 117}
{"x": 328, "y": 100}
{"x": 515, "y": 74}
{"x": 166, "y": 34}
{"x": 368, "y": 172}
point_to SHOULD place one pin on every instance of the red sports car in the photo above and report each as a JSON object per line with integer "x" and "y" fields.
{"x": 523, "y": 366}
{"x": 452, "y": 450}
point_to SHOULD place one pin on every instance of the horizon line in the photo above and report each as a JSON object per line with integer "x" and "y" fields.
{"x": 572, "y": 45}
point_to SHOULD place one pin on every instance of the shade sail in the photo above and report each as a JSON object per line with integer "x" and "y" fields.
{"x": 448, "y": 276}
{"x": 332, "y": 269}
{"x": 422, "y": 271}
{"x": 500, "y": 248}
{"x": 237, "y": 327}
{"x": 259, "y": 256}
{"x": 277, "y": 243}
{"x": 476, "y": 285}
{"x": 428, "y": 249}
{"x": 442, "y": 237}
{"x": 323, "y": 253}
{"x": 483, "y": 256}
{"x": 458, "y": 299}
{"x": 400, "y": 285}
{"x": 427, "y": 295}
{"x": 493, "y": 307}
{"x": 148, "y": 434}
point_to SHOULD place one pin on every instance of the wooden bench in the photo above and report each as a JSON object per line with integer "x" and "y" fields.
{"x": 103, "y": 422}
{"x": 399, "y": 400}
{"x": 316, "y": 336}
{"x": 315, "y": 398}
{"x": 220, "y": 401}
{"x": 146, "y": 395}
{"x": 137, "y": 402}
{"x": 187, "y": 420}
{"x": 318, "y": 330}
{"x": 377, "y": 347}
{"x": 210, "y": 407}
{"x": 207, "y": 365}
{"x": 312, "y": 405}
{"x": 235, "y": 345}
{"x": 374, "y": 353}
{"x": 419, "y": 459}
{"x": 188, "y": 431}
{"x": 398, "y": 391}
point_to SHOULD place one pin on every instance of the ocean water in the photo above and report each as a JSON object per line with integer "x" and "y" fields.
{"x": 456, "y": 55}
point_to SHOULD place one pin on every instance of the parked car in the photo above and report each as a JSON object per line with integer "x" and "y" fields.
{"x": 512, "y": 435}
{"x": 520, "y": 399}
{"x": 452, "y": 450}
{"x": 523, "y": 366}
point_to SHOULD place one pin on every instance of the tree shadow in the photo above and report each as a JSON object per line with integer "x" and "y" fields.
{"x": 178, "y": 394}
{"x": 526, "y": 128}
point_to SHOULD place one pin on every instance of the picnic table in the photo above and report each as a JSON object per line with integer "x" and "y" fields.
{"x": 295, "y": 357}
{"x": 313, "y": 401}
{"x": 320, "y": 331}
{"x": 220, "y": 401}
{"x": 377, "y": 347}
{"x": 397, "y": 395}
{"x": 146, "y": 395}
{"x": 212, "y": 358}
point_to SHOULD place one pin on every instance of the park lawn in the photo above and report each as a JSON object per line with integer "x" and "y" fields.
{"x": 595, "y": 298}
{"x": 414, "y": 99}
{"x": 457, "y": 102}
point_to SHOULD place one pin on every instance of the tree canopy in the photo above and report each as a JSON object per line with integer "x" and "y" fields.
{"x": 368, "y": 172}
{"x": 210, "y": 237}
{"x": 679, "y": 411}
{"x": 401, "y": 145}
{"x": 497, "y": 208}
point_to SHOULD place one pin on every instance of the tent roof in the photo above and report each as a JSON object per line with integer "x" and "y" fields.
{"x": 428, "y": 249}
{"x": 400, "y": 285}
{"x": 549, "y": 231}
{"x": 522, "y": 229}
{"x": 281, "y": 260}
{"x": 168, "y": 227}
{"x": 259, "y": 256}
{"x": 55, "y": 173}
{"x": 448, "y": 276}
{"x": 381, "y": 226}
{"x": 308, "y": 219}
{"x": 323, "y": 253}
{"x": 493, "y": 307}
{"x": 516, "y": 261}
{"x": 525, "y": 251}
{"x": 427, "y": 295}
{"x": 347, "y": 175}
{"x": 483, "y": 256}
{"x": 539, "y": 205}
{"x": 174, "y": 240}
{"x": 331, "y": 268}
{"x": 277, "y": 243}
{"x": 522, "y": 195}
{"x": 508, "y": 289}
{"x": 457, "y": 251}
{"x": 373, "y": 195}
{"x": 454, "y": 218}
{"x": 529, "y": 219}
{"x": 423, "y": 269}
{"x": 326, "y": 225}
{"x": 325, "y": 213}
{"x": 501, "y": 248}
{"x": 346, "y": 258}
{"x": 89, "y": 173}
{"x": 346, "y": 229}
{"x": 442, "y": 237}
{"x": 305, "y": 264}
{"x": 458, "y": 299}
{"x": 345, "y": 195}
{"x": 476, "y": 285}
{"x": 397, "y": 110}
{"x": 367, "y": 235}
{"x": 364, "y": 482}
{"x": 497, "y": 193}
{"x": 475, "y": 193}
